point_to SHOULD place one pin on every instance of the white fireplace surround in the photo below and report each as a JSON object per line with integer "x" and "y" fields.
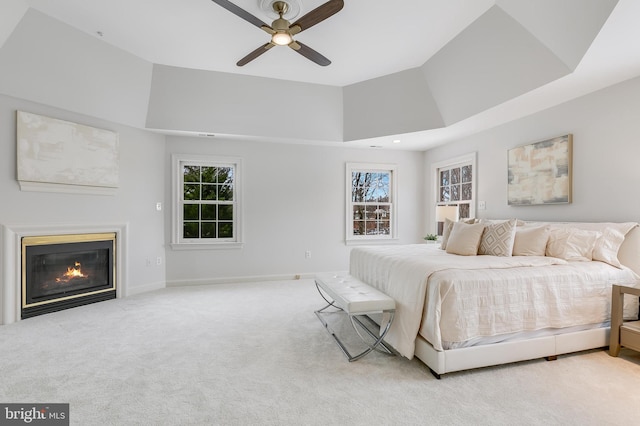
{"x": 11, "y": 250}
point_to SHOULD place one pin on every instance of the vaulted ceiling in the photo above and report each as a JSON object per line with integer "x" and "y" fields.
{"x": 423, "y": 71}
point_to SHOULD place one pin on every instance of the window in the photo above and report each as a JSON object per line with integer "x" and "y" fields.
{"x": 455, "y": 187}
{"x": 371, "y": 192}
{"x": 207, "y": 202}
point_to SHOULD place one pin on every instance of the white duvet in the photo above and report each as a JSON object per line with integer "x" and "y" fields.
{"x": 475, "y": 296}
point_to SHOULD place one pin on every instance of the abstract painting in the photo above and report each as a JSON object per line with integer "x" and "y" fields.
{"x": 52, "y": 151}
{"x": 540, "y": 172}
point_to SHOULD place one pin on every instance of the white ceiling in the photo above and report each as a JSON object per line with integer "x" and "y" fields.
{"x": 366, "y": 39}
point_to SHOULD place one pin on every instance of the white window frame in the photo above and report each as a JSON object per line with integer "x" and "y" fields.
{"x": 392, "y": 169}
{"x": 435, "y": 173}
{"x": 177, "y": 176}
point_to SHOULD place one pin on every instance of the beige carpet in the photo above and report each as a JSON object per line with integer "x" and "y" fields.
{"x": 255, "y": 354}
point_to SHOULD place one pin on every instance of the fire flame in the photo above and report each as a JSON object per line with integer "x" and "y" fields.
{"x": 72, "y": 272}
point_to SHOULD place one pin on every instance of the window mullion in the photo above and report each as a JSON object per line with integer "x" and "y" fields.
{"x": 370, "y": 202}
{"x": 206, "y": 203}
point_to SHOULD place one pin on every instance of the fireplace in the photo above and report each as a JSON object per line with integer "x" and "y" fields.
{"x": 65, "y": 271}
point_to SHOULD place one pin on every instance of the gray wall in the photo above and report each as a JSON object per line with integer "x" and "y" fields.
{"x": 49, "y": 68}
{"x": 141, "y": 185}
{"x": 294, "y": 201}
{"x": 393, "y": 104}
{"x": 52, "y": 63}
{"x": 221, "y": 103}
{"x": 605, "y": 128}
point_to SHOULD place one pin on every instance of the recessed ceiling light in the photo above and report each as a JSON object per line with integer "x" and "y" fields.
{"x": 396, "y": 141}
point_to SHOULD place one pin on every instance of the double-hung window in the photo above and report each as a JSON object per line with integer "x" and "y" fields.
{"x": 207, "y": 207}
{"x": 455, "y": 187}
{"x": 371, "y": 202}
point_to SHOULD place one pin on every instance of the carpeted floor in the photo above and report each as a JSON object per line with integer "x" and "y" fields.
{"x": 255, "y": 354}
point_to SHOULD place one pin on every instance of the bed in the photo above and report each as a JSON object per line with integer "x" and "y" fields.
{"x": 507, "y": 291}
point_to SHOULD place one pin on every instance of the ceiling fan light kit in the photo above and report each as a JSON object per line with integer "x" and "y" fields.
{"x": 281, "y": 39}
{"x": 282, "y": 31}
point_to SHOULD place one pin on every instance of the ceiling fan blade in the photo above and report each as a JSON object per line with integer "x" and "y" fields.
{"x": 241, "y": 13}
{"x": 318, "y": 14}
{"x": 253, "y": 55}
{"x": 309, "y": 53}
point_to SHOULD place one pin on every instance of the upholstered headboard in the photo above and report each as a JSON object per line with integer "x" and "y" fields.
{"x": 629, "y": 253}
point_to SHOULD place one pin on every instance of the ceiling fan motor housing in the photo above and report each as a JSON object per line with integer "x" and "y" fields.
{"x": 280, "y": 7}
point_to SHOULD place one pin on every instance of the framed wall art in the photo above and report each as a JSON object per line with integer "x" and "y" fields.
{"x": 540, "y": 172}
{"x": 61, "y": 156}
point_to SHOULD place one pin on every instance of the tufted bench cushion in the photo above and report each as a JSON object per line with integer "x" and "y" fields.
{"x": 353, "y": 296}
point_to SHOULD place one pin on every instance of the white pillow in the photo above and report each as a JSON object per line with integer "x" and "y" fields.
{"x": 572, "y": 244}
{"x": 498, "y": 238}
{"x": 531, "y": 241}
{"x": 446, "y": 230}
{"x": 465, "y": 238}
{"x": 607, "y": 246}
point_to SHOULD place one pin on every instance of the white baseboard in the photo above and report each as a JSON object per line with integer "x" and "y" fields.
{"x": 144, "y": 288}
{"x": 233, "y": 280}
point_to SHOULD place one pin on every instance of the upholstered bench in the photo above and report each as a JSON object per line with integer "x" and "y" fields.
{"x": 357, "y": 300}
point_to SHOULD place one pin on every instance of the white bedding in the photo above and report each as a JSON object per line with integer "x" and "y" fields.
{"x": 464, "y": 305}
{"x": 458, "y": 294}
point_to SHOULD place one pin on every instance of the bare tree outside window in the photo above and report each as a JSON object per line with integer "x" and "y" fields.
{"x": 371, "y": 212}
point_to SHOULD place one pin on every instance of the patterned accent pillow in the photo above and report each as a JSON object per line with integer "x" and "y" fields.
{"x": 497, "y": 239}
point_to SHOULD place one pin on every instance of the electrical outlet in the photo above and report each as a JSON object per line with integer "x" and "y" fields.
{"x": 482, "y": 205}
{"x": 158, "y": 260}
{"x": 159, "y": 206}
{"x": 307, "y": 254}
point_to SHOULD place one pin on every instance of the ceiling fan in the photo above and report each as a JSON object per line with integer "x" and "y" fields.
{"x": 282, "y": 31}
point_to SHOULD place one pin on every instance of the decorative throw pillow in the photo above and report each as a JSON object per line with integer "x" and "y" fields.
{"x": 464, "y": 238}
{"x": 531, "y": 241}
{"x": 446, "y": 230}
{"x": 494, "y": 221}
{"x": 572, "y": 244}
{"x": 497, "y": 238}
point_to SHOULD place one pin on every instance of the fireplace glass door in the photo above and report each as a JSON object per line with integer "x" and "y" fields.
{"x": 64, "y": 271}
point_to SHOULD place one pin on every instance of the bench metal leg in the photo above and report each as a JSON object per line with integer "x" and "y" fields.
{"x": 378, "y": 343}
{"x": 379, "y": 340}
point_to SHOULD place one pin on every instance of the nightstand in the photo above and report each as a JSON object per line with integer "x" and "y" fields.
{"x": 625, "y": 334}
